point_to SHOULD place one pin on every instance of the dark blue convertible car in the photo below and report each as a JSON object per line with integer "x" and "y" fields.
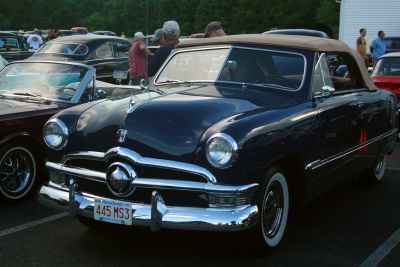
{"x": 229, "y": 136}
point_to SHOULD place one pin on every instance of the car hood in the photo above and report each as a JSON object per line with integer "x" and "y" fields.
{"x": 171, "y": 126}
{"x": 11, "y": 106}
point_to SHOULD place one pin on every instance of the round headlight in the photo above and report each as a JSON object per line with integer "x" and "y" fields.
{"x": 221, "y": 150}
{"x": 55, "y": 134}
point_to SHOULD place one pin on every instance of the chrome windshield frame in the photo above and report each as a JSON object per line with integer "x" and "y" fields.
{"x": 90, "y": 74}
{"x": 231, "y": 48}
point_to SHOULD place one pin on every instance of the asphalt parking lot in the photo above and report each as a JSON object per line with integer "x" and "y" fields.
{"x": 350, "y": 226}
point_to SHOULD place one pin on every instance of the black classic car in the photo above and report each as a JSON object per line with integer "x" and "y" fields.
{"x": 13, "y": 47}
{"x": 234, "y": 132}
{"x": 107, "y": 54}
{"x": 30, "y": 93}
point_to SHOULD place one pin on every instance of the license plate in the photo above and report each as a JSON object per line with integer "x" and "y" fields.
{"x": 112, "y": 211}
{"x": 120, "y": 74}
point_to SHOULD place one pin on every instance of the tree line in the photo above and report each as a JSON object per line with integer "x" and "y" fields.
{"x": 129, "y": 16}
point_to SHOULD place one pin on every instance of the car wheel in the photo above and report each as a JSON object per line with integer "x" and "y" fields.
{"x": 274, "y": 211}
{"x": 18, "y": 169}
{"x": 376, "y": 173}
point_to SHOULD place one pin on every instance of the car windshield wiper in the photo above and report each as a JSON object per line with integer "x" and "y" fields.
{"x": 26, "y": 94}
{"x": 174, "y": 81}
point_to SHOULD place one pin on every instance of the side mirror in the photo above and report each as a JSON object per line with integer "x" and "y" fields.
{"x": 143, "y": 84}
{"x": 101, "y": 94}
{"x": 370, "y": 69}
{"x": 327, "y": 89}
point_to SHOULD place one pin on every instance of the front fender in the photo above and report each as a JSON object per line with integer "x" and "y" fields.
{"x": 265, "y": 137}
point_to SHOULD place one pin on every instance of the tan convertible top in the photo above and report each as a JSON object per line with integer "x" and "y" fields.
{"x": 289, "y": 41}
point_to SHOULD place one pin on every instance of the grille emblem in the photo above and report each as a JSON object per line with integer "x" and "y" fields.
{"x": 119, "y": 177}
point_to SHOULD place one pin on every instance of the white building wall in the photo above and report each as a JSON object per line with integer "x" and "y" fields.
{"x": 374, "y": 15}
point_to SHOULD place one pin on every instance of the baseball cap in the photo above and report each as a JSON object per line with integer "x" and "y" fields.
{"x": 212, "y": 26}
{"x": 171, "y": 28}
{"x": 139, "y": 35}
{"x": 157, "y": 35}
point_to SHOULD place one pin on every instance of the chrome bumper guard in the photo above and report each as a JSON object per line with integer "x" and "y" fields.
{"x": 157, "y": 215}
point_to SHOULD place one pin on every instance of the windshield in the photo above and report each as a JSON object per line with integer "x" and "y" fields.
{"x": 66, "y": 49}
{"x": 8, "y": 43}
{"x": 389, "y": 66}
{"x": 276, "y": 69}
{"x": 200, "y": 65}
{"x": 47, "y": 80}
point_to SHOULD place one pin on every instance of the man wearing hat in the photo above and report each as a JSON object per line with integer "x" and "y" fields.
{"x": 35, "y": 40}
{"x": 214, "y": 29}
{"x": 171, "y": 32}
{"x": 158, "y": 37}
{"x": 137, "y": 59}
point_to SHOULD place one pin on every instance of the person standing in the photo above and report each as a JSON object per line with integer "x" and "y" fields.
{"x": 35, "y": 40}
{"x": 362, "y": 46}
{"x": 214, "y": 29}
{"x": 378, "y": 46}
{"x": 158, "y": 37}
{"x": 171, "y": 34}
{"x": 137, "y": 59}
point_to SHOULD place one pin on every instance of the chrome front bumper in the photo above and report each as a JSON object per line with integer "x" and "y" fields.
{"x": 157, "y": 215}
{"x": 229, "y": 207}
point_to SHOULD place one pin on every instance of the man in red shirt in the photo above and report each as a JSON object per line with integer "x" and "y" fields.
{"x": 138, "y": 54}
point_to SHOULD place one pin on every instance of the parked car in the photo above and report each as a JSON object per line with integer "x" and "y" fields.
{"x": 107, "y": 54}
{"x": 108, "y": 33}
{"x": 30, "y": 93}
{"x": 3, "y": 62}
{"x": 305, "y": 32}
{"x": 80, "y": 30}
{"x": 63, "y": 33}
{"x": 231, "y": 138}
{"x": 386, "y": 73}
{"x": 13, "y": 47}
{"x": 392, "y": 44}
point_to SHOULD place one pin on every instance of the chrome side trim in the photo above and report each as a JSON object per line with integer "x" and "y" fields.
{"x": 135, "y": 158}
{"x": 318, "y": 163}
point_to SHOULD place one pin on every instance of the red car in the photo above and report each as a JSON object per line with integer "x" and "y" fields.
{"x": 386, "y": 74}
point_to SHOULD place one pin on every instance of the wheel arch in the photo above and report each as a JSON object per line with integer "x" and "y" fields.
{"x": 25, "y": 138}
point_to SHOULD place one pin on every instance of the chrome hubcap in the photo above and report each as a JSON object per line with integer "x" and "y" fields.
{"x": 273, "y": 209}
{"x": 379, "y": 166}
{"x": 16, "y": 171}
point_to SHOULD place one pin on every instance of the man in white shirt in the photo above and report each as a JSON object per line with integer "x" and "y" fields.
{"x": 35, "y": 40}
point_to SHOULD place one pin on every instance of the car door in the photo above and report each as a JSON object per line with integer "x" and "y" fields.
{"x": 339, "y": 113}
